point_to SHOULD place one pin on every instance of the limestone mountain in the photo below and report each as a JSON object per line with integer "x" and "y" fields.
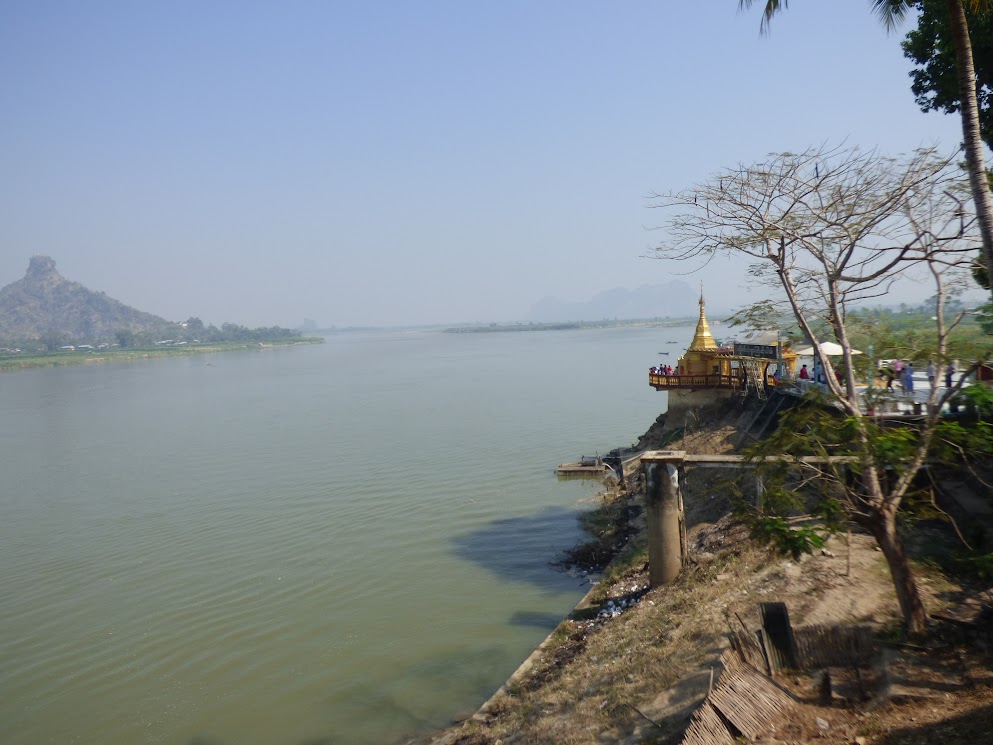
{"x": 44, "y": 303}
{"x": 674, "y": 299}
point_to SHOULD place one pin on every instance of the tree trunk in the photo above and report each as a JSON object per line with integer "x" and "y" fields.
{"x": 882, "y": 525}
{"x": 970, "y": 128}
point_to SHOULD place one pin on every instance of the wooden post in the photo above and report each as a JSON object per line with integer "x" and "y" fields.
{"x": 664, "y": 514}
{"x": 778, "y": 634}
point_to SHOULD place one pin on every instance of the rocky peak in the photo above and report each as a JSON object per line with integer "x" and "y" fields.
{"x": 44, "y": 302}
{"x": 42, "y": 268}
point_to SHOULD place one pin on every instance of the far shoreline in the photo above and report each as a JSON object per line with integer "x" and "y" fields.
{"x": 12, "y": 363}
{"x": 492, "y": 328}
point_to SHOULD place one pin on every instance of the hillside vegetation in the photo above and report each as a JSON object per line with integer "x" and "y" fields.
{"x": 45, "y": 313}
{"x": 45, "y": 303}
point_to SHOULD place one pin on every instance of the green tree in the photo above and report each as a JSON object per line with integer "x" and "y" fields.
{"x": 194, "y": 327}
{"x": 935, "y": 77}
{"x": 235, "y": 332}
{"x": 890, "y": 12}
{"x": 791, "y": 484}
{"x": 824, "y": 229}
{"x": 125, "y": 337}
{"x": 53, "y": 340}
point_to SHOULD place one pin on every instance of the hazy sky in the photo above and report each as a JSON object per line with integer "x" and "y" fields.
{"x": 406, "y": 162}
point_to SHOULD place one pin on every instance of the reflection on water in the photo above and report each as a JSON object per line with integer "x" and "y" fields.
{"x": 516, "y": 549}
{"x": 342, "y": 543}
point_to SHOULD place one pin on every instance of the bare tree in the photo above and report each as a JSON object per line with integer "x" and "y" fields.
{"x": 827, "y": 228}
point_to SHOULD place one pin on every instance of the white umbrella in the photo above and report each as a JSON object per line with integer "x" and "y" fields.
{"x": 828, "y": 349}
{"x": 766, "y": 338}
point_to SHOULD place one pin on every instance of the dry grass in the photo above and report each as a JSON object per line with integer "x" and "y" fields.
{"x": 598, "y": 676}
{"x": 608, "y": 679}
{"x": 605, "y": 679}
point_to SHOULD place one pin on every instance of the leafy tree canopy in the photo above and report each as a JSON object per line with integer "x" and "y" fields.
{"x": 930, "y": 48}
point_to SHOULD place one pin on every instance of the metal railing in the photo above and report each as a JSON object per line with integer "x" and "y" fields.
{"x": 666, "y": 382}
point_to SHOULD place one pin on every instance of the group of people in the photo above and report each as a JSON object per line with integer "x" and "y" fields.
{"x": 903, "y": 371}
{"x": 818, "y": 374}
{"x": 949, "y": 374}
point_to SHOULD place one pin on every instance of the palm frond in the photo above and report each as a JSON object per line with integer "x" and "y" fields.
{"x": 772, "y": 7}
{"x": 891, "y": 12}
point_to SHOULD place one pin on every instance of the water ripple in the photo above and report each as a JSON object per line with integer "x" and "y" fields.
{"x": 348, "y": 539}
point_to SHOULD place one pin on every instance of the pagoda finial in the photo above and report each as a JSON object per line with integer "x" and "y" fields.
{"x": 703, "y": 339}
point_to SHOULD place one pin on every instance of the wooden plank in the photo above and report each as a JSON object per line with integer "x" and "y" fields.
{"x": 834, "y": 646}
{"x": 748, "y": 648}
{"x": 702, "y": 459}
{"x": 778, "y": 636}
{"x": 744, "y": 702}
{"x": 707, "y": 728}
{"x": 750, "y": 702}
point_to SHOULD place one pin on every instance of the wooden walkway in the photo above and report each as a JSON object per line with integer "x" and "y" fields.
{"x": 695, "y": 459}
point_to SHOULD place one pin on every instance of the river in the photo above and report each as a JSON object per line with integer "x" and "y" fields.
{"x": 341, "y": 543}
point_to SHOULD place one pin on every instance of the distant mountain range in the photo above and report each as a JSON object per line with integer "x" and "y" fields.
{"x": 44, "y": 303}
{"x": 675, "y": 299}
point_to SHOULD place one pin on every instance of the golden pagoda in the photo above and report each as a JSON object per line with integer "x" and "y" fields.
{"x": 703, "y": 356}
{"x": 705, "y": 365}
{"x": 708, "y": 373}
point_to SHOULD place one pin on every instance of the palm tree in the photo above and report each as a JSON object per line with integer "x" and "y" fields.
{"x": 891, "y": 12}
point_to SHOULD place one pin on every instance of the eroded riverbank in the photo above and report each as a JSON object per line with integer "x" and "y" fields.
{"x": 631, "y": 664}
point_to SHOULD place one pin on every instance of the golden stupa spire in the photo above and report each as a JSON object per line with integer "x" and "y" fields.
{"x": 703, "y": 339}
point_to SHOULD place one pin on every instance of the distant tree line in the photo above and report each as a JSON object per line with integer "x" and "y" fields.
{"x": 194, "y": 331}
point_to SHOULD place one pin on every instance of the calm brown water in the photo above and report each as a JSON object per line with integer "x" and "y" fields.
{"x": 343, "y": 543}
